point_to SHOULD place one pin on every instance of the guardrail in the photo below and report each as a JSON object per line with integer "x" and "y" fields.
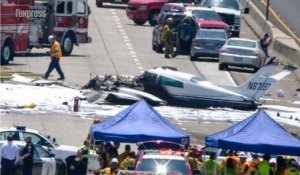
{"x": 283, "y": 46}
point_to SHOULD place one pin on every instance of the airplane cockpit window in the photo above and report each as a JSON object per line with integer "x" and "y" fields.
{"x": 170, "y": 82}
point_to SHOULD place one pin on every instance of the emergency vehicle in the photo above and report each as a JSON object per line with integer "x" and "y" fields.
{"x": 26, "y": 24}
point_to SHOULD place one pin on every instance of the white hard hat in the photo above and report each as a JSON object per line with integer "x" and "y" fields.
{"x": 242, "y": 155}
{"x": 114, "y": 160}
{"x": 51, "y": 37}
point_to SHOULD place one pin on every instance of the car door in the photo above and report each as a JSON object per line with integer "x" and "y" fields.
{"x": 48, "y": 164}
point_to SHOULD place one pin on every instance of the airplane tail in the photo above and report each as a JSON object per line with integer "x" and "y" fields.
{"x": 260, "y": 82}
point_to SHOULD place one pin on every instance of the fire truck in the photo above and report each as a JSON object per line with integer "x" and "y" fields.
{"x": 26, "y": 24}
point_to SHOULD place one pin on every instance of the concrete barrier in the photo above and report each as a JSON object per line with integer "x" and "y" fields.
{"x": 283, "y": 46}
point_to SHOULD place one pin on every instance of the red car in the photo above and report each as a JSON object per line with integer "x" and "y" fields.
{"x": 141, "y": 11}
{"x": 207, "y": 17}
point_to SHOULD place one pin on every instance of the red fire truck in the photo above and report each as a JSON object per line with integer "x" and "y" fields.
{"x": 26, "y": 24}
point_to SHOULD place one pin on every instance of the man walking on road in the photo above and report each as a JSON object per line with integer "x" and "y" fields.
{"x": 9, "y": 155}
{"x": 55, "y": 54}
{"x": 27, "y": 156}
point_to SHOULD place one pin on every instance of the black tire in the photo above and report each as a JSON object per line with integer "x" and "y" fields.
{"x": 99, "y": 3}
{"x": 153, "y": 17}
{"x": 193, "y": 58}
{"x": 222, "y": 66}
{"x": 67, "y": 45}
{"x": 6, "y": 53}
{"x": 255, "y": 69}
{"x": 137, "y": 22}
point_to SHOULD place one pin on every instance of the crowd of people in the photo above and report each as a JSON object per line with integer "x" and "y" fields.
{"x": 238, "y": 163}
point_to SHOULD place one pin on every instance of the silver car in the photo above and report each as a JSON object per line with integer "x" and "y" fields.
{"x": 208, "y": 43}
{"x": 241, "y": 52}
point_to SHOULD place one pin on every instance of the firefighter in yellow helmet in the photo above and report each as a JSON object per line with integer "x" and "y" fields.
{"x": 166, "y": 36}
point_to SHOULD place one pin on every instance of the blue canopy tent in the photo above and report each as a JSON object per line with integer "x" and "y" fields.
{"x": 257, "y": 133}
{"x": 139, "y": 122}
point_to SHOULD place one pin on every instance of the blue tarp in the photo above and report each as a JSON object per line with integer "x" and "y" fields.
{"x": 138, "y": 122}
{"x": 257, "y": 133}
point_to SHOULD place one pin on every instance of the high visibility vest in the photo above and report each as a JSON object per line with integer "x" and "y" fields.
{"x": 235, "y": 169}
{"x": 85, "y": 151}
{"x": 293, "y": 170}
{"x": 211, "y": 167}
{"x": 56, "y": 48}
{"x": 127, "y": 163}
{"x": 264, "y": 167}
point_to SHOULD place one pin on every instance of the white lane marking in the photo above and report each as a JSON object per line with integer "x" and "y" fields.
{"x": 231, "y": 79}
{"x": 126, "y": 40}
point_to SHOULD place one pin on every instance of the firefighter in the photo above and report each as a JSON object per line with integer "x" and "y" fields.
{"x": 112, "y": 170}
{"x": 211, "y": 166}
{"x": 245, "y": 165}
{"x": 194, "y": 161}
{"x": 129, "y": 162}
{"x": 231, "y": 164}
{"x": 264, "y": 167}
{"x": 293, "y": 165}
{"x": 55, "y": 54}
{"x": 166, "y": 37}
{"x": 125, "y": 154}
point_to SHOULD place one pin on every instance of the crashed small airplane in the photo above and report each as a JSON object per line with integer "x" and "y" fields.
{"x": 184, "y": 89}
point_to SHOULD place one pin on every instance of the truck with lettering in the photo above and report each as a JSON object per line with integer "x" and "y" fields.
{"x": 26, "y": 24}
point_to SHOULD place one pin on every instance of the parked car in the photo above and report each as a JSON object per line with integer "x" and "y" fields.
{"x": 230, "y": 12}
{"x": 241, "y": 52}
{"x": 99, "y": 3}
{"x": 141, "y": 11}
{"x": 208, "y": 43}
{"x": 157, "y": 44}
{"x": 171, "y": 7}
{"x": 43, "y": 161}
{"x": 207, "y": 17}
{"x": 66, "y": 153}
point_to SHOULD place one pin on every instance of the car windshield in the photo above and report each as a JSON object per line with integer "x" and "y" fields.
{"x": 231, "y": 4}
{"x": 164, "y": 166}
{"x": 211, "y": 34}
{"x": 205, "y": 14}
{"x": 242, "y": 43}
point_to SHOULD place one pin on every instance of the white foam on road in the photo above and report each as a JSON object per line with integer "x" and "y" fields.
{"x": 50, "y": 99}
